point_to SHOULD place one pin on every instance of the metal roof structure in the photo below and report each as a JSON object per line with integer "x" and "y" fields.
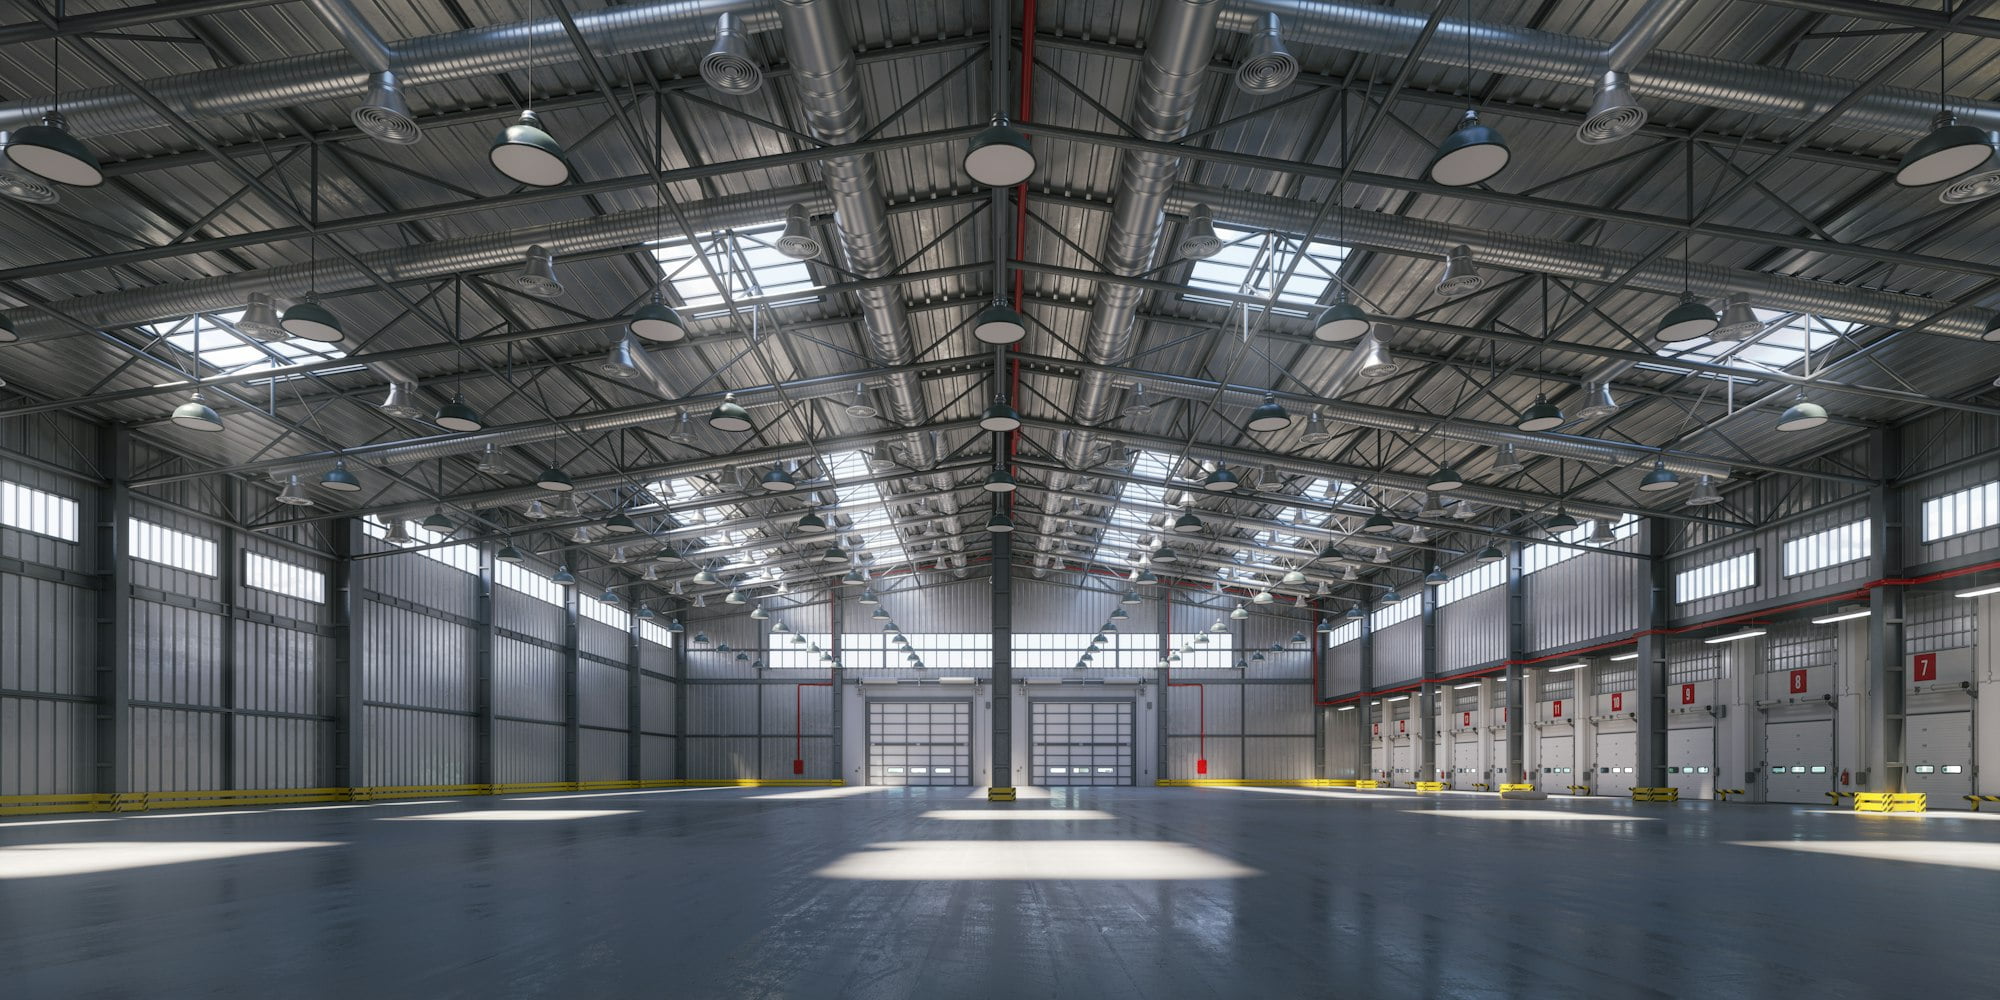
{"x": 1753, "y": 147}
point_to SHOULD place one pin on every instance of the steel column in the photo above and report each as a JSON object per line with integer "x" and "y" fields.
{"x": 1517, "y": 643}
{"x": 349, "y": 660}
{"x": 1364, "y": 733}
{"x": 1883, "y": 728}
{"x": 1002, "y": 571}
{"x": 634, "y": 721}
{"x": 1427, "y": 728}
{"x": 229, "y": 584}
{"x": 1650, "y": 746}
{"x": 482, "y": 668}
{"x": 113, "y": 516}
{"x": 572, "y": 671}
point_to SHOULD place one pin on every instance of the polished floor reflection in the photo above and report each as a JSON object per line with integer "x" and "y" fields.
{"x": 1146, "y": 893}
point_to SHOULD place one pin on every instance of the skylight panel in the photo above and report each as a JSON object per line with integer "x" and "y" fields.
{"x": 225, "y": 350}
{"x": 1252, "y": 262}
{"x": 744, "y": 259}
{"x": 1780, "y": 346}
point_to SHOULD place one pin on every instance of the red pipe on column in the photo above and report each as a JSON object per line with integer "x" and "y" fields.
{"x": 1201, "y": 700}
{"x": 1022, "y": 115}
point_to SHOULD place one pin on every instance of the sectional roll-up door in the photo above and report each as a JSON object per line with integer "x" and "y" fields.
{"x": 919, "y": 742}
{"x": 1081, "y": 742}
{"x": 1558, "y": 761}
{"x": 1939, "y": 759}
{"x": 1617, "y": 755}
{"x": 1798, "y": 761}
{"x": 1496, "y": 761}
{"x": 1403, "y": 762}
{"x": 1465, "y": 770}
{"x": 1691, "y": 761}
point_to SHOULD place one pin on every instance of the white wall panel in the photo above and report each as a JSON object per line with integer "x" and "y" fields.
{"x": 783, "y": 702}
{"x": 176, "y": 655}
{"x": 600, "y": 756}
{"x": 174, "y": 750}
{"x": 721, "y": 710}
{"x": 598, "y": 639}
{"x": 1589, "y": 597}
{"x": 1278, "y": 709}
{"x": 1472, "y": 631}
{"x": 1399, "y": 652}
{"x": 46, "y": 747}
{"x": 656, "y": 705}
{"x": 527, "y": 751}
{"x": 710, "y": 757}
{"x": 47, "y": 642}
{"x": 603, "y": 695}
{"x": 407, "y": 747}
{"x": 415, "y": 659}
{"x": 283, "y": 753}
{"x": 283, "y": 670}
{"x": 527, "y": 680}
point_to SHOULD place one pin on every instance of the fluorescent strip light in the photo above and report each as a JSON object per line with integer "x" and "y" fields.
{"x": 1842, "y": 616}
{"x": 1468, "y": 684}
{"x": 1344, "y": 708}
{"x": 957, "y": 680}
{"x": 1622, "y": 657}
{"x": 1400, "y": 697}
{"x": 1566, "y": 668}
{"x": 1991, "y": 588}
{"x": 1745, "y": 634}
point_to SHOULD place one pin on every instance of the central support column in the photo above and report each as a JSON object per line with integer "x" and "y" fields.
{"x": 1517, "y": 643}
{"x": 1003, "y": 665}
{"x": 1650, "y": 746}
{"x": 1427, "y": 692}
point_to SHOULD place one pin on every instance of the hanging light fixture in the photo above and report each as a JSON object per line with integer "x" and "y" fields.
{"x": 999, "y": 523}
{"x": 555, "y": 480}
{"x": 734, "y": 596}
{"x": 294, "y": 493}
{"x": 999, "y": 155}
{"x": 1688, "y": 321}
{"x": 621, "y": 361}
{"x": 1561, "y": 522}
{"x": 998, "y": 481}
{"x": 306, "y": 319}
{"x": 260, "y": 319}
{"x": 1268, "y": 417}
{"x": 196, "y": 414}
{"x": 527, "y": 154}
{"x": 705, "y": 577}
{"x": 458, "y": 416}
{"x": 868, "y": 598}
{"x": 338, "y": 479}
{"x": 619, "y": 524}
{"x": 1802, "y": 415}
{"x": 1378, "y": 523}
{"x": 1375, "y": 361}
{"x": 759, "y": 614}
{"x": 1445, "y": 479}
{"x": 656, "y": 322}
{"x": 777, "y": 480}
{"x": 1266, "y": 66}
{"x": 832, "y": 556}
{"x": 1239, "y": 612}
{"x": 580, "y": 535}
{"x": 798, "y": 241}
{"x": 1597, "y": 401}
{"x": 536, "y": 511}
{"x": 1738, "y": 319}
{"x": 1601, "y": 533}
{"x": 1129, "y": 598}
{"x": 1506, "y": 461}
{"x": 1294, "y": 577}
{"x": 1189, "y": 523}
{"x": 1390, "y": 596}
{"x": 1263, "y": 597}
{"x": 437, "y": 521}
{"x": 1659, "y": 478}
{"x": 1436, "y": 577}
{"x": 1000, "y": 417}
{"x": 1221, "y": 481}
{"x": 999, "y": 324}
{"x": 48, "y": 151}
{"x": 1471, "y": 154}
{"x": 1491, "y": 554}
{"x": 730, "y": 416}
{"x": 1542, "y": 416}
{"x": 1147, "y": 578}
{"x": 1951, "y": 150}
{"x": 509, "y": 554}
{"x": 563, "y": 577}
{"x": 1461, "y": 276}
{"x": 1341, "y": 322}
{"x": 810, "y": 523}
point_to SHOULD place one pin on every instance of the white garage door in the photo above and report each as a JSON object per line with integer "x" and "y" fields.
{"x": 919, "y": 742}
{"x": 1465, "y": 760}
{"x": 1691, "y": 761}
{"x": 1403, "y": 762}
{"x": 1616, "y": 755}
{"x": 1558, "y": 760}
{"x": 1378, "y": 761}
{"x": 1798, "y": 761}
{"x": 1496, "y": 765}
{"x": 1081, "y": 742}
{"x": 1939, "y": 758}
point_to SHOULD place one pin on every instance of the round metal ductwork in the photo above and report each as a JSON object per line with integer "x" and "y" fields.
{"x": 1267, "y": 68}
{"x": 383, "y": 114}
{"x": 1614, "y": 113}
{"x": 728, "y": 66}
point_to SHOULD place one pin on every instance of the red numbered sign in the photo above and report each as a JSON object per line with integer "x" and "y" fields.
{"x": 1617, "y": 702}
{"x": 1924, "y": 666}
{"x": 1798, "y": 682}
{"x": 1559, "y": 710}
{"x": 1378, "y": 729}
{"x": 1687, "y": 694}
{"x": 1402, "y": 726}
{"x": 1467, "y": 722}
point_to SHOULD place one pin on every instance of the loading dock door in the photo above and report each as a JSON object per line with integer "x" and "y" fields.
{"x": 1798, "y": 761}
{"x": 1939, "y": 758}
{"x": 1404, "y": 761}
{"x": 1378, "y": 760}
{"x": 919, "y": 742}
{"x": 1464, "y": 760}
{"x": 1558, "y": 762}
{"x": 1081, "y": 742}
{"x": 1691, "y": 761}
{"x": 1496, "y": 764}
{"x": 1617, "y": 753}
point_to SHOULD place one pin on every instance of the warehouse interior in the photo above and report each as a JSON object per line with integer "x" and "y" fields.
{"x": 1125, "y": 498}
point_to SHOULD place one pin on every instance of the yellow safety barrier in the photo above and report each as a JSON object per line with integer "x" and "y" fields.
{"x": 34, "y": 805}
{"x": 1518, "y": 787}
{"x": 1725, "y": 793}
{"x": 1000, "y": 795}
{"x": 1977, "y": 799}
{"x": 1579, "y": 789}
{"x": 1891, "y": 802}
{"x": 1430, "y": 786}
{"x": 1367, "y": 783}
{"x": 1835, "y": 797}
{"x": 1655, "y": 793}
{"x": 1255, "y": 782}
{"x": 1480, "y": 786}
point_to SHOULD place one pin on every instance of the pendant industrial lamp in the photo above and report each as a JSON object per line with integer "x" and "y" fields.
{"x": 196, "y": 414}
{"x": 457, "y": 415}
{"x": 1951, "y": 150}
{"x": 306, "y": 319}
{"x": 1473, "y": 152}
{"x": 338, "y": 479}
{"x": 999, "y": 155}
{"x": 1543, "y": 415}
{"x": 526, "y": 153}
{"x": 1659, "y": 478}
{"x": 48, "y": 150}
{"x": 294, "y": 494}
{"x": 730, "y": 416}
{"x": 1000, "y": 417}
{"x": 1690, "y": 320}
{"x": 999, "y": 324}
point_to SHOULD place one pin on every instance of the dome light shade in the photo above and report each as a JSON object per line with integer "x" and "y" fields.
{"x": 1000, "y": 417}
{"x": 48, "y": 151}
{"x": 457, "y": 416}
{"x": 1561, "y": 522}
{"x": 999, "y": 523}
{"x": 758, "y": 614}
{"x": 868, "y": 598}
{"x": 338, "y": 479}
{"x": 1436, "y": 577}
{"x": 294, "y": 494}
{"x": 1543, "y": 416}
{"x": 810, "y": 523}
{"x": 563, "y": 577}
{"x": 1472, "y": 153}
{"x": 999, "y": 155}
{"x": 1221, "y": 481}
{"x": 1659, "y": 478}
{"x": 509, "y": 554}
{"x": 1378, "y": 523}
{"x": 1491, "y": 554}
{"x": 197, "y": 415}
{"x": 999, "y": 324}
{"x": 1446, "y": 479}
{"x": 555, "y": 480}
{"x": 705, "y": 577}
{"x": 777, "y": 480}
{"x": 1688, "y": 321}
{"x": 620, "y": 524}
{"x": 528, "y": 154}
{"x": 798, "y": 241}
{"x": 1263, "y": 597}
{"x": 306, "y": 319}
{"x": 657, "y": 322}
{"x": 436, "y": 521}
{"x": 1165, "y": 555}
{"x": 1187, "y": 524}
{"x": 1802, "y": 415}
{"x": 1341, "y": 322}
{"x": 1951, "y": 150}
{"x": 1239, "y": 612}
{"x": 730, "y": 416}
{"x": 1129, "y": 598}
{"x": 1268, "y": 416}
{"x": 998, "y": 481}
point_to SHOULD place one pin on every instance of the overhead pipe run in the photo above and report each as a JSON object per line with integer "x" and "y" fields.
{"x": 1580, "y": 62}
{"x": 1614, "y": 113}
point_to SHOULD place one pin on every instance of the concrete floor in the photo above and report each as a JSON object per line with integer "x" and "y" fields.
{"x": 1220, "y": 892}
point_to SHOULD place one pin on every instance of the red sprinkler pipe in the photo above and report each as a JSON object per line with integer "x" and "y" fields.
{"x": 1021, "y": 116}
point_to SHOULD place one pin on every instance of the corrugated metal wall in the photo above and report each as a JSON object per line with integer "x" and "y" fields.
{"x": 416, "y": 653}
{"x": 1399, "y": 652}
{"x": 1343, "y": 673}
{"x": 1472, "y": 631}
{"x": 1933, "y": 442}
{"x": 1586, "y": 598}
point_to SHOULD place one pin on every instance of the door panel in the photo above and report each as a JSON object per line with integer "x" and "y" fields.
{"x": 1798, "y": 761}
{"x": 1081, "y": 742}
{"x": 919, "y": 742}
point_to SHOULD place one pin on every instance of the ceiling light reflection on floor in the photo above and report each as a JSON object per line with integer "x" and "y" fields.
{"x": 44, "y": 860}
{"x": 566, "y": 796}
{"x": 1956, "y": 854}
{"x": 1018, "y": 815}
{"x": 824, "y": 793}
{"x": 1533, "y": 815}
{"x": 1055, "y": 860}
{"x": 516, "y": 815}
{"x": 1330, "y": 796}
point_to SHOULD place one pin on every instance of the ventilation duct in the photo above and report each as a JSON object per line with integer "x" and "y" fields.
{"x": 1580, "y": 62}
{"x": 1614, "y": 113}
{"x": 384, "y": 114}
{"x": 1198, "y": 238}
{"x": 728, "y": 66}
{"x": 798, "y": 241}
{"x": 1266, "y": 68}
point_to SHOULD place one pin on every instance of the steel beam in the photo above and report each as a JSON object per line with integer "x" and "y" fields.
{"x": 112, "y": 515}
